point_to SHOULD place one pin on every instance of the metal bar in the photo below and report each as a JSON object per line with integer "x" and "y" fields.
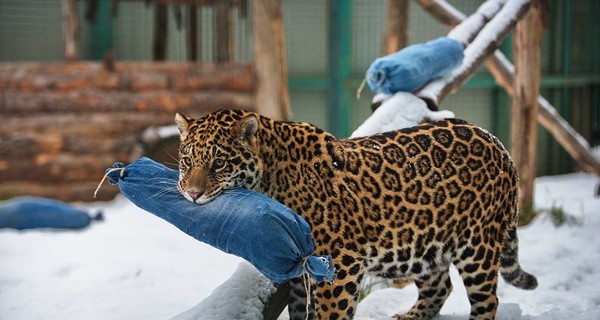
{"x": 101, "y": 32}
{"x": 566, "y": 97}
{"x": 339, "y": 69}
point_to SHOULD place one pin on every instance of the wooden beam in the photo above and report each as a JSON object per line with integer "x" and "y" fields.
{"x": 484, "y": 43}
{"x": 224, "y": 32}
{"x": 159, "y": 52}
{"x": 70, "y": 24}
{"x": 272, "y": 98}
{"x": 188, "y": 2}
{"x": 192, "y": 33}
{"x": 523, "y": 143}
{"x": 503, "y": 71}
{"x": 396, "y": 26}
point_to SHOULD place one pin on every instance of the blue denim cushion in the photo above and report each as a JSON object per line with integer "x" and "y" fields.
{"x": 31, "y": 212}
{"x": 241, "y": 222}
{"x": 414, "y": 66}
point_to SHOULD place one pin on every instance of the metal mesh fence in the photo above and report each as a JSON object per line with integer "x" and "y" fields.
{"x": 30, "y": 30}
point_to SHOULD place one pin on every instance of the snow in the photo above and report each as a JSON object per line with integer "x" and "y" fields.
{"x": 134, "y": 266}
{"x": 400, "y": 110}
{"x": 470, "y": 26}
{"x": 131, "y": 266}
{"x": 241, "y": 297}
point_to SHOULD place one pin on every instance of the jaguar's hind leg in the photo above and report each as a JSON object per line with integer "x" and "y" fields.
{"x": 297, "y": 301}
{"x": 433, "y": 291}
{"x": 479, "y": 273}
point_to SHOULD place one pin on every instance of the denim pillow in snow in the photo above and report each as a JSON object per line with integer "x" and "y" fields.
{"x": 414, "y": 66}
{"x": 31, "y": 212}
{"x": 241, "y": 222}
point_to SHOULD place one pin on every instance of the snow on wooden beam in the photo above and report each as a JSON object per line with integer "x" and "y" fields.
{"x": 468, "y": 29}
{"x": 485, "y": 43}
{"x": 503, "y": 71}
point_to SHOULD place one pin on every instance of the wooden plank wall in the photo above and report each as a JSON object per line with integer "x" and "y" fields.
{"x": 62, "y": 124}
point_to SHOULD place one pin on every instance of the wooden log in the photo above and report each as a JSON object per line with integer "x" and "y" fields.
{"x": 503, "y": 71}
{"x": 136, "y": 76}
{"x": 272, "y": 99}
{"x": 159, "y": 48}
{"x": 64, "y": 191}
{"x": 94, "y": 100}
{"x": 46, "y": 168}
{"x": 22, "y": 145}
{"x": 396, "y": 26}
{"x": 192, "y": 33}
{"x": 70, "y": 25}
{"x": 207, "y": 3}
{"x": 443, "y": 12}
{"x": 224, "y": 32}
{"x": 523, "y": 143}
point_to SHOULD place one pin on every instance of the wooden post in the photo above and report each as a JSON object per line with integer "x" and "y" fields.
{"x": 272, "y": 98}
{"x": 70, "y": 23}
{"x": 192, "y": 33}
{"x": 224, "y": 32}
{"x": 160, "y": 32}
{"x": 396, "y": 26}
{"x": 527, "y": 49}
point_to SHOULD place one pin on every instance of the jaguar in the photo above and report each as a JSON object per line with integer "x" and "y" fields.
{"x": 403, "y": 204}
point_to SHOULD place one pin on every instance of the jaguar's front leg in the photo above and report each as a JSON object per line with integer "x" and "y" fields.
{"x": 338, "y": 300}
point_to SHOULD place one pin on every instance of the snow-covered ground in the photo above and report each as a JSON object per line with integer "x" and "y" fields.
{"x": 136, "y": 266}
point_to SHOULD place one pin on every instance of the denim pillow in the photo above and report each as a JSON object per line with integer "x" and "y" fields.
{"x": 241, "y": 222}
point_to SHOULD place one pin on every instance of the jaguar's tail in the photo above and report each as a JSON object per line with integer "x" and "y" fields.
{"x": 509, "y": 263}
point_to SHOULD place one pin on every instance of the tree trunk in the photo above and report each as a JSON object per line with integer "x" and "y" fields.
{"x": 70, "y": 24}
{"x": 272, "y": 98}
{"x": 159, "y": 52}
{"x": 224, "y": 32}
{"x": 396, "y": 26}
{"x": 527, "y": 43}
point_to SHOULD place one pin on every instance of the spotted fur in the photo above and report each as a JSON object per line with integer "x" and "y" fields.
{"x": 400, "y": 204}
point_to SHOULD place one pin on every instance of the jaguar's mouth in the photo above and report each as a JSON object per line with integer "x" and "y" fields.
{"x": 202, "y": 197}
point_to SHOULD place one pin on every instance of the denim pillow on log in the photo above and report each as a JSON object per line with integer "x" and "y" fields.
{"x": 241, "y": 222}
{"x": 414, "y": 66}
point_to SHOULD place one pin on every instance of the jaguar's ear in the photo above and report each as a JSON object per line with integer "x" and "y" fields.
{"x": 183, "y": 124}
{"x": 245, "y": 129}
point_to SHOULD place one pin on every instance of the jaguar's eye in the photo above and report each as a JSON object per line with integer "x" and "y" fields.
{"x": 187, "y": 161}
{"x": 218, "y": 164}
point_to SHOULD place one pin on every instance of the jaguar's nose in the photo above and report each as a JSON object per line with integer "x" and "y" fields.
{"x": 193, "y": 195}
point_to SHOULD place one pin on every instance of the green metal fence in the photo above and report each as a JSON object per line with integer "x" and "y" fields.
{"x": 329, "y": 46}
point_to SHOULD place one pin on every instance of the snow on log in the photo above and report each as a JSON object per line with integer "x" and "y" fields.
{"x": 246, "y": 295}
{"x": 503, "y": 71}
{"x": 485, "y": 43}
{"x": 470, "y": 27}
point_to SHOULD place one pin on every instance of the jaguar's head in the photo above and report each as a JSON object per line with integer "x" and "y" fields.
{"x": 217, "y": 152}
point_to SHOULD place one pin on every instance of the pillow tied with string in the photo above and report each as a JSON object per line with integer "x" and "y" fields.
{"x": 414, "y": 66}
{"x": 241, "y": 222}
